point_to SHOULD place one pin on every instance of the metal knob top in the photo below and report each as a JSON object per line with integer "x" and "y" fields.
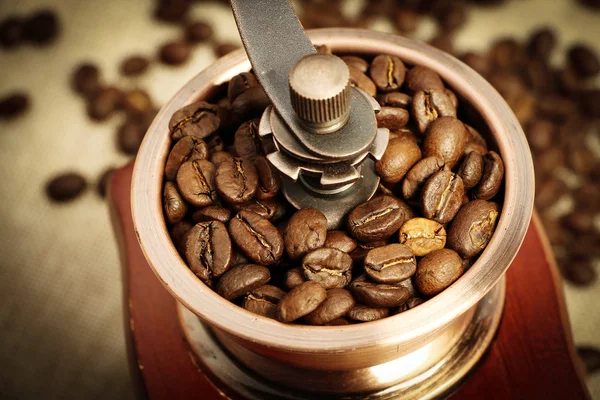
{"x": 320, "y": 92}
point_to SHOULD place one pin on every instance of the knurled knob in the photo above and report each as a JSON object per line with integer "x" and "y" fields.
{"x": 320, "y": 92}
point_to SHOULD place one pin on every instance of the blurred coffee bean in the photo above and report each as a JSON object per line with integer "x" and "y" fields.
{"x": 582, "y": 160}
{"x": 590, "y": 102}
{"x": 11, "y": 32}
{"x": 224, "y": 48}
{"x": 356, "y": 62}
{"x": 587, "y": 196}
{"x": 407, "y": 20}
{"x": 590, "y": 355}
{"x": 541, "y": 43}
{"x": 540, "y": 134}
{"x": 176, "y": 52}
{"x": 549, "y": 192}
{"x": 480, "y": 63}
{"x": 86, "y": 79}
{"x": 41, "y": 27}
{"x": 505, "y": 53}
{"x": 137, "y": 102}
{"x": 451, "y": 16}
{"x": 13, "y": 105}
{"x": 130, "y": 136}
{"x": 65, "y": 187}
{"x": 579, "y": 221}
{"x": 198, "y": 32}
{"x": 103, "y": 182}
{"x": 579, "y": 272}
{"x": 134, "y": 65}
{"x": 444, "y": 42}
{"x": 171, "y": 10}
{"x": 556, "y": 107}
{"x": 104, "y": 103}
{"x": 584, "y": 60}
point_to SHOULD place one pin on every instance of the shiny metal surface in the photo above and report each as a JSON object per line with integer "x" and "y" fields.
{"x": 418, "y": 375}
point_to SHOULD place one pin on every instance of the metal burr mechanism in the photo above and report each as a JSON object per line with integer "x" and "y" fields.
{"x": 320, "y": 133}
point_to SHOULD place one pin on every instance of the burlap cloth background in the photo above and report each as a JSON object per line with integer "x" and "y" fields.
{"x": 61, "y": 330}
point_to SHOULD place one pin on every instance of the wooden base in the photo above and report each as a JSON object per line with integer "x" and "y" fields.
{"x": 532, "y": 357}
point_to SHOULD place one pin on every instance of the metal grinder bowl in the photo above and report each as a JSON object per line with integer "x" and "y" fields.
{"x": 343, "y": 359}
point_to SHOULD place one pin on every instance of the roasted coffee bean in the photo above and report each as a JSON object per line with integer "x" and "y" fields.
{"x": 438, "y": 270}
{"x": 336, "y": 305}
{"x": 130, "y": 136}
{"x": 473, "y": 227}
{"x": 584, "y": 60}
{"x": 580, "y": 273}
{"x": 392, "y": 117}
{"x": 176, "y": 52}
{"x": 590, "y": 357}
{"x": 422, "y": 235}
{"x": 583, "y": 161}
{"x": 356, "y": 62}
{"x": 505, "y": 53}
{"x": 104, "y": 103}
{"x": 263, "y": 300}
{"x": 301, "y": 301}
{"x": 250, "y": 104}
{"x": 212, "y": 213}
{"x": 471, "y": 169}
{"x": 256, "y": 237}
{"x": 306, "y": 230}
{"x": 442, "y": 196}
{"x": 13, "y": 105}
{"x": 358, "y": 255}
{"x": 236, "y": 181}
{"x": 189, "y": 148}
{"x": 103, "y": 182}
{"x": 479, "y": 62}
{"x": 65, "y": 187}
{"x": 540, "y": 134}
{"x": 195, "y": 180}
{"x": 407, "y": 20}
{"x": 293, "y": 277}
{"x": 541, "y": 43}
{"x": 476, "y": 141}
{"x": 238, "y": 258}
{"x": 271, "y": 209}
{"x": 86, "y": 79}
{"x": 175, "y": 207}
{"x": 327, "y": 266}
{"x": 395, "y": 99}
{"x": 446, "y": 138}
{"x": 364, "y": 313}
{"x": 422, "y": 78}
{"x": 414, "y": 302}
{"x": 11, "y": 32}
{"x": 451, "y": 16}
{"x": 378, "y": 218}
{"x": 340, "y": 240}
{"x": 239, "y": 84}
{"x": 171, "y": 10}
{"x": 390, "y": 264}
{"x": 246, "y": 141}
{"x": 400, "y": 155}
{"x": 208, "y": 250}
{"x": 579, "y": 221}
{"x": 268, "y": 179}
{"x": 137, "y": 102}
{"x": 220, "y": 156}
{"x": 362, "y": 81}
{"x": 179, "y": 233}
{"x": 491, "y": 180}
{"x": 134, "y": 65}
{"x": 197, "y": 119}
{"x": 443, "y": 41}
{"x": 387, "y": 72}
{"x": 590, "y": 102}
{"x": 429, "y": 105}
{"x": 379, "y": 294}
{"x": 41, "y": 27}
{"x": 214, "y": 143}
{"x": 242, "y": 279}
{"x": 419, "y": 174}
{"x": 198, "y": 32}
{"x": 338, "y": 322}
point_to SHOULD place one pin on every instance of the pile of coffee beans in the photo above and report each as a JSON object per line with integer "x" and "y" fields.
{"x": 39, "y": 28}
{"x": 433, "y": 215}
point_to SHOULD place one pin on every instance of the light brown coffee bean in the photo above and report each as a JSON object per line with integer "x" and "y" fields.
{"x": 256, "y": 237}
{"x": 491, "y": 180}
{"x": 302, "y": 300}
{"x": 175, "y": 207}
{"x": 471, "y": 169}
{"x": 422, "y": 236}
{"x": 399, "y": 157}
{"x": 418, "y": 175}
{"x": 195, "y": 180}
{"x": 438, "y": 270}
{"x": 332, "y": 268}
{"x": 197, "y": 119}
{"x": 336, "y": 305}
{"x": 392, "y": 117}
{"x": 363, "y": 313}
{"x": 263, "y": 300}
{"x": 378, "y": 218}
{"x": 361, "y": 81}
{"x": 473, "y": 227}
{"x": 241, "y": 280}
{"x": 390, "y": 264}
{"x": 446, "y": 138}
{"x": 306, "y": 230}
{"x": 442, "y": 196}
{"x": 429, "y": 105}
{"x": 293, "y": 277}
{"x": 387, "y": 72}
{"x": 340, "y": 240}
{"x": 208, "y": 250}
{"x": 356, "y": 62}
{"x": 189, "y": 148}
{"x": 236, "y": 181}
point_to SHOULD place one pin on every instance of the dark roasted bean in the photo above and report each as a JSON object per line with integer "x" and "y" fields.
{"x": 379, "y": 294}
{"x": 208, "y": 250}
{"x": 336, "y": 305}
{"x": 418, "y": 175}
{"x": 268, "y": 179}
{"x": 218, "y": 157}
{"x": 359, "y": 63}
{"x": 392, "y": 117}
{"x": 134, "y": 65}
{"x": 42, "y": 27}
{"x": 306, "y": 230}
{"x": 246, "y": 141}
{"x": 473, "y": 227}
{"x": 340, "y": 240}
{"x": 175, "y": 207}
{"x": 212, "y": 213}
{"x": 302, "y": 300}
{"x": 198, "y": 32}
{"x": 242, "y": 279}
{"x": 378, "y": 218}
{"x": 395, "y": 99}
{"x": 390, "y": 264}
{"x": 104, "y": 103}
{"x": 197, "y": 119}
{"x": 446, "y": 138}
{"x": 258, "y": 239}
{"x": 236, "y": 181}
{"x": 491, "y": 180}
{"x": 239, "y": 84}
{"x": 86, "y": 79}
{"x": 400, "y": 155}
{"x": 429, "y": 105}
{"x": 358, "y": 255}
{"x": 442, "y": 196}
{"x": 362, "y": 81}
{"x": 438, "y": 270}
{"x": 65, "y": 187}
{"x": 189, "y": 148}
{"x": 263, "y": 300}
{"x": 327, "y": 266}
{"x": 195, "y": 180}
{"x": 293, "y": 277}
{"x": 471, "y": 169}
{"x": 175, "y": 53}
{"x": 422, "y": 78}
{"x": 271, "y": 209}
{"x": 250, "y": 104}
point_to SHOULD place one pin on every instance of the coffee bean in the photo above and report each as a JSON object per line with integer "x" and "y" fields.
{"x": 11, "y": 32}
{"x": 414, "y": 302}
{"x": 104, "y": 103}
{"x": 473, "y": 227}
{"x": 224, "y": 48}
{"x": 471, "y": 169}
{"x": 443, "y": 41}
{"x": 442, "y": 196}
{"x": 208, "y": 250}
{"x": 239, "y": 84}
{"x": 340, "y": 240}
{"x": 263, "y": 300}
{"x": 197, "y": 119}
{"x": 582, "y": 161}
{"x": 189, "y": 148}
{"x": 378, "y": 218}
{"x": 422, "y": 236}
{"x": 293, "y": 277}
{"x": 134, "y": 65}
{"x": 400, "y": 155}
{"x": 13, "y": 105}
{"x": 171, "y": 10}
{"x": 419, "y": 174}
{"x": 540, "y": 134}
{"x": 491, "y": 180}
{"x": 327, "y": 266}
{"x": 556, "y": 107}
{"x": 438, "y": 270}
{"x": 379, "y": 294}
{"x": 175, "y": 207}
{"x": 584, "y": 60}
{"x": 236, "y": 181}
{"x": 579, "y": 221}
{"x": 268, "y": 179}
{"x": 356, "y": 62}
{"x": 301, "y": 301}
{"x": 256, "y": 237}
{"x": 422, "y": 78}
{"x": 479, "y": 62}
{"x": 338, "y": 322}
{"x": 271, "y": 209}
{"x": 362, "y": 81}
{"x": 250, "y": 104}
{"x": 246, "y": 141}
{"x": 242, "y": 279}
{"x": 451, "y": 16}
{"x": 362, "y": 313}
{"x": 65, "y": 187}
{"x": 429, "y": 105}
{"x": 130, "y": 136}
{"x": 446, "y": 138}
{"x": 541, "y": 43}
{"x": 212, "y": 213}
{"x": 104, "y": 181}
{"x": 392, "y": 117}
{"x": 219, "y": 157}
{"x": 390, "y": 264}
{"x": 195, "y": 180}
{"x": 580, "y": 273}
{"x": 198, "y": 32}
{"x": 358, "y": 255}
{"x": 174, "y": 53}
{"x": 179, "y": 233}
{"x": 387, "y": 72}
{"x": 306, "y": 230}
{"x": 86, "y": 79}
{"x": 137, "y": 102}
{"x": 505, "y": 53}
{"x": 407, "y": 20}
{"x": 590, "y": 357}
{"x": 41, "y": 27}
{"x": 590, "y": 102}
{"x": 336, "y": 305}
{"x": 395, "y": 99}
{"x": 476, "y": 141}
